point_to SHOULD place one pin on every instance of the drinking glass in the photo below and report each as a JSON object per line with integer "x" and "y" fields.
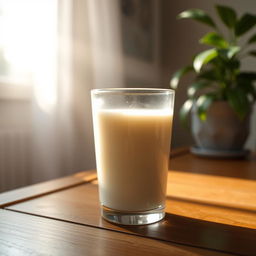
{"x": 132, "y": 132}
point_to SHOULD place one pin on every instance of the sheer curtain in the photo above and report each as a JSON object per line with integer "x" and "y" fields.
{"x": 85, "y": 54}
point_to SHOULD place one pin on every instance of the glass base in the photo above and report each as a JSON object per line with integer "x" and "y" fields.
{"x": 132, "y": 218}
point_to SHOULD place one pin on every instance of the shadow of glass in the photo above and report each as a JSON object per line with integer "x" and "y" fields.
{"x": 199, "y": 233}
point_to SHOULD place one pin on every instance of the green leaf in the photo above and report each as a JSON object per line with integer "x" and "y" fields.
{"x": 203, "y": 103}
{"x": 238, "y": 100}
{"x": 227, "y": 15}
{"x": 230, "y": 52}
{"x": 214, "y": 39}
{"x": 203, "y": 58}
{"x": 246, "y": 22}
{"x": 198, "y": 15}
{"x": 252, "y": 39}
{"x": 253, "y": 53}
{"x": 185, "y": 110}
{"x": 195, "y": 87}
{"x": 178, "y": 75}
{"x": 208, "y": 75}
{"x": 233, "y": 50}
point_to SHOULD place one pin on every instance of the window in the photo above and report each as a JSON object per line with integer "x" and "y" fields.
{"x": 27, "y": 44}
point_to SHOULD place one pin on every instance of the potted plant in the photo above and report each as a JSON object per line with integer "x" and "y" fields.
{"x": 221, "y": 96}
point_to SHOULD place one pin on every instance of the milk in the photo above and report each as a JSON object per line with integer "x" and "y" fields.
{"x": 132, "y": 152}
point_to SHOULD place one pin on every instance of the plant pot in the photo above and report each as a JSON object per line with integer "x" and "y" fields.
{"x": 222, "y": 130}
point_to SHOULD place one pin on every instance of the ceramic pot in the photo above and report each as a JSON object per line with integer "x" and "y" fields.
{"x": 222, "y": 130}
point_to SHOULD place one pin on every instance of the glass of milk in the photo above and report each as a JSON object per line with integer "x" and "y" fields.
{"x": 132, "y": 132}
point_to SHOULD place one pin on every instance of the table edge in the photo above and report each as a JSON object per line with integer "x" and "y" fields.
{"x": 41, "y": 189}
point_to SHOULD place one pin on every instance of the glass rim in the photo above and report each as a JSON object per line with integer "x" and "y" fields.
{"x": 133, "y": 91}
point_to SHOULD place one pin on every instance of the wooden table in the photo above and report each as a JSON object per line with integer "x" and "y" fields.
{"x": 211, "y": 210}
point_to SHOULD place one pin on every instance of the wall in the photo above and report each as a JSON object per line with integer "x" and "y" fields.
{"x": 140, "y": 33}
{"x": 180, "y": 42}
{"x": 15, "y": 143}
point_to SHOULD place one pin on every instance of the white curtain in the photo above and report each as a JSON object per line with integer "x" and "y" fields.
{"x": 86, "y": 54}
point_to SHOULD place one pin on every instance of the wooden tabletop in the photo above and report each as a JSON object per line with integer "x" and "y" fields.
{"x": 211, "y": 210}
